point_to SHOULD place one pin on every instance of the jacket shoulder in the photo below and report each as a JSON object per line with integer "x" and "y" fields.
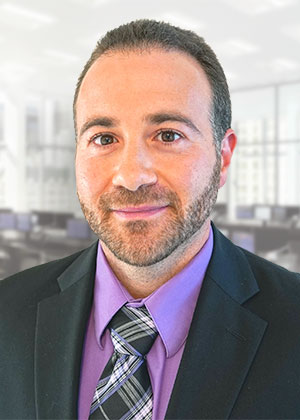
{"x": 265, "y": 269}
{"x": 36, "y": 281}
{"x": 279, "y": 294}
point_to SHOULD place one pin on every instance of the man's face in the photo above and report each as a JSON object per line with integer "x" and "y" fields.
{"x": 144, "y": 139}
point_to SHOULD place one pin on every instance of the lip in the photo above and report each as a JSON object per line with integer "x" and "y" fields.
{"x": 139, "y": 212}
{"x": 139, "y": 209}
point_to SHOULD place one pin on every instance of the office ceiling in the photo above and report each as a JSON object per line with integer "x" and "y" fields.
{"x": 44, "y": 44}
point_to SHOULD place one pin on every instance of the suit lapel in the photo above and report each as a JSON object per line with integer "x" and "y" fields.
{"x": 60, "y": 331}
{"x": 223, "y": 339}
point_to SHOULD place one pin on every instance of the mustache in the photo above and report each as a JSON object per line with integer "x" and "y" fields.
{"x": 144, "y": 195}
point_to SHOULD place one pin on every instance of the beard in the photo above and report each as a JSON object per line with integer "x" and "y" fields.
{"x": 142, "y": 243}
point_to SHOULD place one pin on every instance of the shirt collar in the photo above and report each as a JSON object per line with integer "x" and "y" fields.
{"x": 171, "y": 306}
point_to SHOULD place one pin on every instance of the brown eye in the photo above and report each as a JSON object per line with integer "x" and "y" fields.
{"x": 168, "y": 136}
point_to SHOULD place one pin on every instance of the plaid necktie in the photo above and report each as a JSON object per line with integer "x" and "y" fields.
{"x": 124, "y": 390}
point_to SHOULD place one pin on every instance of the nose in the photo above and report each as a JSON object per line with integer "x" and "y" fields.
{"x": 135, "y": 167}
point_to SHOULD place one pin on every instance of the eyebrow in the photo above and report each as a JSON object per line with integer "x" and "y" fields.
{"x": 103, "y": 121}
{"x": 157, "y": 118}
{"x": 171, "y": 116}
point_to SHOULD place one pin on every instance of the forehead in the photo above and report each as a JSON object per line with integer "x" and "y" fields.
{"x": 144, "y": 80}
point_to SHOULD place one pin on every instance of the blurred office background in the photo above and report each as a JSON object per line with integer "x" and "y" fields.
{"x": 44, "y": 46}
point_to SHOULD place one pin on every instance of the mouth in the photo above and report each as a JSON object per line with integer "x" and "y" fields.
{"x": 139, "y": 212}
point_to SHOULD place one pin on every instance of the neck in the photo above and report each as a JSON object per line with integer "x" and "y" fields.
{"x": 142, "y": 281}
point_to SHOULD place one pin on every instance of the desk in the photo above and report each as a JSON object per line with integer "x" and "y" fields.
{"x": 282, "y": 239}
{"x": 38, "y": 249}
{"x": 267, "y": 237}
{"x": 23, "y": 254}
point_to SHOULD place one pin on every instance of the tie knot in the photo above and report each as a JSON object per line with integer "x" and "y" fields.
{"x": 132, "y": 331}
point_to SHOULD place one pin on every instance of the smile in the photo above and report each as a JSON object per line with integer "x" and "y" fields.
{"x": 139, "y": 213}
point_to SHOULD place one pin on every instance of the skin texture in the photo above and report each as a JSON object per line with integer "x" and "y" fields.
{"x": 125, "y": 158}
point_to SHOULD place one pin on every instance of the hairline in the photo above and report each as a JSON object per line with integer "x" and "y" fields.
{"x": 141, "y": 48}
{"x": 137, "y": 49}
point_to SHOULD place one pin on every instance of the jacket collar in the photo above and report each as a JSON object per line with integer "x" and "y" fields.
{"x": 60, "y": 331}
{"x": 223, "y": 338}
{"x": 230, "y": 269}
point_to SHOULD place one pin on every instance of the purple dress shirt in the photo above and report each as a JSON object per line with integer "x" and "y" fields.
{"x": 171, "y": 307}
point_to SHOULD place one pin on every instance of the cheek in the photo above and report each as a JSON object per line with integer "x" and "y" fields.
{"x": 185, "y": 176}
{"x": 193, "y": 173}
{"x": 89, "y": 177}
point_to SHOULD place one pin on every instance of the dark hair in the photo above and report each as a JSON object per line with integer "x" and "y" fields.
{"x": 144, "y": 34}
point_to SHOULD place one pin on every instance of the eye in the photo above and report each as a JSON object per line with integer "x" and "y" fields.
{"x": 168, "y": 136}
{"x": 103, "y": 139}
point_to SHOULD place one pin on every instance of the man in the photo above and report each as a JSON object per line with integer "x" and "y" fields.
{"x": 154, "y": 144}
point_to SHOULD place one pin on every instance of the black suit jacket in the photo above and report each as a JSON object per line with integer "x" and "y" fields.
{"x": 242, "y": 355}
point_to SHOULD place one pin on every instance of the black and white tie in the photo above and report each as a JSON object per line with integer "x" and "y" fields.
{"x": 124, "y": 390}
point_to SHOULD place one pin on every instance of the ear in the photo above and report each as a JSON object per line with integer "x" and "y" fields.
{"x": 228, "y": 146}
